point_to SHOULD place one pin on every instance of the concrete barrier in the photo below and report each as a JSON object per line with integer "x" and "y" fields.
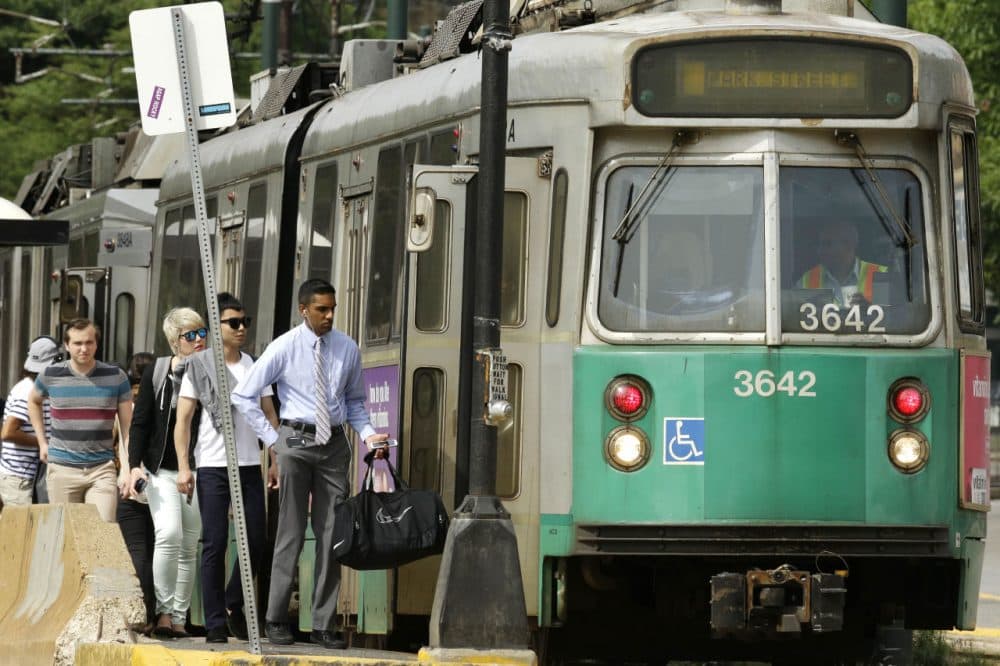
{"x": 67, "y": 579}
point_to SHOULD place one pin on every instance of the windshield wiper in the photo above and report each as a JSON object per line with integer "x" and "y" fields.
{"x": 635, "y": 209}
{"x": 621, "y": 245}
{"x": 631, "y": 218}
{"x": 851, "y": 139}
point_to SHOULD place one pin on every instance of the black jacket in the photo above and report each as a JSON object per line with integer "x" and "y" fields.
{"x": 151, "y": 437}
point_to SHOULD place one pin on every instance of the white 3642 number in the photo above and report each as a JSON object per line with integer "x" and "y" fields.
{"x": 830, "y": 318}
{"x": 765, "y": 384}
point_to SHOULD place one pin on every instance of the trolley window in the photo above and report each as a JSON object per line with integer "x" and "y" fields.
{"x": 431, "y": 309}
{"x": 508, "y": 479}
{"x": 770, "y": 77}
{"x": 557, "y": 234}
{"x": 847, "y": 266}
{"x": 189, "y": 261}
{"x": 91, "y": 244}
{"x": 692, "y": 259}
{"x": 253, "y": 252}
{"x": 124, "y": 327}
{"x": 515, "y": 251}
{"x": 72, "y": 302}
{"x": 968, "y": 248}
{"x": 427, "y": 428}
{"x": 384, "y": 306}
{"x": 27, "y": 322}
{"x": 169, "y": 268}
{"x": 321, "y": 239}
{"x": 6, "y": 313}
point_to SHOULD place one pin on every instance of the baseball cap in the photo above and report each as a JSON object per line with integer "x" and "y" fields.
{"x": 43, "y": 352}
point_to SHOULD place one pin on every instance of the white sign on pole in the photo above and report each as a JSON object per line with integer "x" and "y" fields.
{"x": 155, "y": 54}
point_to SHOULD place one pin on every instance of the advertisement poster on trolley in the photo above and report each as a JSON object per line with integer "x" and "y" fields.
{"x": 975, "y": 458}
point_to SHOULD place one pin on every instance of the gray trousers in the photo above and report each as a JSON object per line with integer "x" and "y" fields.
{"x": 323, "y": 472}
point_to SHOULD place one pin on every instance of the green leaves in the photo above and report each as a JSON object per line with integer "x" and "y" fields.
{"x": 973, "y": 28}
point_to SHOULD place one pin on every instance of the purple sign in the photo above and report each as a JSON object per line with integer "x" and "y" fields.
{"x": 155, "y": 102}
{"x": 382, "y": 402}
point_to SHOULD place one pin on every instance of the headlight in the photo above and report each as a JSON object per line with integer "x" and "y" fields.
{"x": 908, "y": 450}
{"x": 626, "y": 448}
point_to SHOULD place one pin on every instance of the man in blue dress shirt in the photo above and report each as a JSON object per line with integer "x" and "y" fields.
{"x": 304, "y": 463}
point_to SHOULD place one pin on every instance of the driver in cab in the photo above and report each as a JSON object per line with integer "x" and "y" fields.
{"x": 850, "y": 278}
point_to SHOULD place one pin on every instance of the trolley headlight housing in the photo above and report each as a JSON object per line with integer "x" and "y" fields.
{"x": 627, "y": 448}
{"x": 909, "y": 450}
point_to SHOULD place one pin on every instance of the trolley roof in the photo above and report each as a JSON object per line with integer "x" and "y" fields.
{"x": 248, "y": 152}
{"x": 541, "y": 68}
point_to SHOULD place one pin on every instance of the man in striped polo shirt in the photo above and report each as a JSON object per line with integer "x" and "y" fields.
{"x": 19, "y": 457}
{"x": 84, "y": 397}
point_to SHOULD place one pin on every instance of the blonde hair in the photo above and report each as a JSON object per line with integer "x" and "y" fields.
{"x": 177, "y": 321}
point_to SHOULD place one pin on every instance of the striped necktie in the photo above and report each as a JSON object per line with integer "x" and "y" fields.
{"x": 321, "y": 383}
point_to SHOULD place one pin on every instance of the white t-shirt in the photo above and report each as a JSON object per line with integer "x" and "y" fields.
{"x": 210, "y": 450}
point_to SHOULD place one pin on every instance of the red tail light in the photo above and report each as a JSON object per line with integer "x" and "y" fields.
{"x": 909, "y": 400}
{"x": 627, "y": 397}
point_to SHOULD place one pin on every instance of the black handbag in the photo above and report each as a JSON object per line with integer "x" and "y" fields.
{"x": 375, "y": 530}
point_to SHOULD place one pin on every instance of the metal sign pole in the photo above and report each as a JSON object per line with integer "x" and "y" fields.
{"x": 215, "y": 330}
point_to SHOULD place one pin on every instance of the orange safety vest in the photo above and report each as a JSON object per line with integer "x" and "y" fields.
{"x": 813, "y": 279}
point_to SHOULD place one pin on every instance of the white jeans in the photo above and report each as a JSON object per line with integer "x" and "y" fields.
{"x": 177, "y": 525}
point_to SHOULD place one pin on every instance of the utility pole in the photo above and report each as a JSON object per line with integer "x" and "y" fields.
{"x": 892, "y": 12}
{"x": 396, "y": 23}
{"x": 285, "y": 34}
{"x": 269, "y": 35}
{"x": 335, "y": 46}
{"x": 479, "y": 599}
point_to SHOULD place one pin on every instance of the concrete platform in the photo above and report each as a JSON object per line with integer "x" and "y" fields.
{"x": 196, "y": 652}
{"x": 983, "y": 641}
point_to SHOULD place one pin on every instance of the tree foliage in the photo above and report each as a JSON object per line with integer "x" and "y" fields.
{"x": 36, "y": 123}
{"x": 973, "y": 28}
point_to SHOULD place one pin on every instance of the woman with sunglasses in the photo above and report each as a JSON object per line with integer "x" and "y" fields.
{"x": 153, "y": 463}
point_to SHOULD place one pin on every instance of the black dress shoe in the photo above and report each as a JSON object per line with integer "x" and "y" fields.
{"x": 279, "y": 633}
{"x": 217, "y": 635}
{"x": 237, "y": 623}
{"x": 327, "y": 639}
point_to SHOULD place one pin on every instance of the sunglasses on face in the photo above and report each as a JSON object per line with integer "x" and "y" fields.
{"x": 235, "y": 322}
{"x": 191, "y": 336}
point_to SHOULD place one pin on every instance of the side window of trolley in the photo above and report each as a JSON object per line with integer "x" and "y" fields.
{"x": 966, "y": 230}
{"x": 384, "y": 307}
{"x": 253, "y": 254}
{"x": 124, "y": 326}
{"x": 683, "y": 249}
{"x": 321, "y": 239}
{"x": 853, "y": 251}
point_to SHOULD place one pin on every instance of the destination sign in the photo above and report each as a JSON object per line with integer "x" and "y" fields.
{"x": 774, "y": 77}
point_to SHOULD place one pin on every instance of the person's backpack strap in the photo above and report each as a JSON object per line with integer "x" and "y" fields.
{"x": 160, "y": 371}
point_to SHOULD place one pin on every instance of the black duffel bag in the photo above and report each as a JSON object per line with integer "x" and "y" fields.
{"x": 375, "y": 530}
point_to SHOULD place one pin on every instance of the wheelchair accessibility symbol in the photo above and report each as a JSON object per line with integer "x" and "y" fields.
{"x": 683, "y": 441}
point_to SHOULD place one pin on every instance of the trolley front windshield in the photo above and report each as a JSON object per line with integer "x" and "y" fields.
{"x": 689, "y": 257}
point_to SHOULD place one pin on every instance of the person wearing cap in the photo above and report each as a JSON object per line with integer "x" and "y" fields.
{"x": 19, "y": 458}
{"x": 84, "y": 397}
